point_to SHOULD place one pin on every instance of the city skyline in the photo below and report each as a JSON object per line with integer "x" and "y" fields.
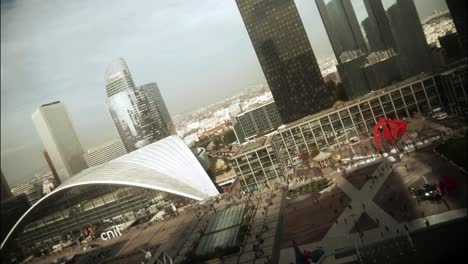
{"x": 83, "y": 92}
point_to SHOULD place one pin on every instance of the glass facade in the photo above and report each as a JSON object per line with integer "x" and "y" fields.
{"x": 139, "y": 113}
{"x": 336, "y": 128}
{"x": 286, "y": 57}
{"x": 260, "y": 120}
{"x": 258, "y": 168}
{"x": 376, "y": 42}
{"x": 73, "y": 209}
{"x": 258, "y": 164}
{"x": 454, "y": 90}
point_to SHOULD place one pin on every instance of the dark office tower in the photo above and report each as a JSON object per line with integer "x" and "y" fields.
{"x": 458, "y": 11}
{"x": 286, "y": 57}
{"x": 342, "y": 26}
{"x": 408, "y": 34}
{"x": 452, "y": 47}
{"x": 11, "y": 210}
{"x": 5, "y": 188}
{"x": 377, "y": 22}
{"x": 57, "y": 181}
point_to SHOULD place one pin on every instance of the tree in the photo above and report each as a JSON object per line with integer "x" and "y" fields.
{"x": 229, "y": 137}
{"x": 336, "y": 91}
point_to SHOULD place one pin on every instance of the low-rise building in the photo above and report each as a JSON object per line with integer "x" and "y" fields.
{"x": 105, "y": 152}
{"x": 260, "y": 162}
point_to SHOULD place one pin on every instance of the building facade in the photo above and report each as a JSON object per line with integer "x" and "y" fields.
{"x": 59, "y": 137}
{"x": 105, "y": 152}
{"x": 258, "y": 121}
{"x": 376, "y": 43}
{"x": 258, "y": 163}
{"x": 5, "y": 188}
{"x": 458, "y": 11}
{"x": 454, "y": 90}
{"x": 335, "y": 127}
{"x": 139, "y": 113}
{"x": 286, "y": 57}
{"x": 33, "y": 191}
{"x": 118, "y": 192}
{"x": 118, "y": 77}
{"x": 11, "y": 210}
{"x": 57, "y": 181}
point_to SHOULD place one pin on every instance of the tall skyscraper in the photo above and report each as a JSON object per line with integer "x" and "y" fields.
{"x": 376, "y": 42}
{"x": 139, "y": 113}
{"x": 286, "y": 57}
{"x": 458, "y": 11}
{"x": 118, "y": 77}
{"x": 409, "y": 39}
{"x": 5, "y": 188}
{"x": 59, "y": 137}
{"x": 57, "y": 181}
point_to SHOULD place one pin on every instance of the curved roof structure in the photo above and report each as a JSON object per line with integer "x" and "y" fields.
{"x": 167, "y": 165}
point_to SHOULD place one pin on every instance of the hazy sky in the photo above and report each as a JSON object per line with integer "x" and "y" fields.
{"x": 198, "y": 51}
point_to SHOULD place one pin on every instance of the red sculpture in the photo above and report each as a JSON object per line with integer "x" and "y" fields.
{"x": 387, "y": 129}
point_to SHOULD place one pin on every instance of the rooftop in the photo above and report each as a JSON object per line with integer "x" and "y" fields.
{"x": 103, "y": 145}
{"x": 256, "y": 144}
{"x": 52, "y": 103}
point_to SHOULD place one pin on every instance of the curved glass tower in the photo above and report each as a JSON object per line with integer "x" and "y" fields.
{"x": 139, "y": 113}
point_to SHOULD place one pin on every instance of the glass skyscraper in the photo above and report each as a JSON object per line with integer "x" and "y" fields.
{"x": 458, "y": 11}
{"x": 376, "y": 42}
{"x": 288, "y": 62}
{"x": 139, "y": 113}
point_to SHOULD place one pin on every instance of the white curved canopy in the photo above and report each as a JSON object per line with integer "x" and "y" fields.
{"x": 167, "y": 165}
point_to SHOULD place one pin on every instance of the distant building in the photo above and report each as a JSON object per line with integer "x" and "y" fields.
{"x": 59, "y": 138}
{"x": 139, "y": 113}
{"x": 33, "y": 191}
{"x": 5, "y": 188}
{"x": 458, "y": 11}
{"x": 52, "y": 168}
{"x": 202, "y": 157}
{"x": 105, "y": 152}
{"x": 256, "y": 122}
{"x": 286, "y": 57}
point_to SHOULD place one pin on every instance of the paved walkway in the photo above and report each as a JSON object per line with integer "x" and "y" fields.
{"x": 339, "y": 237}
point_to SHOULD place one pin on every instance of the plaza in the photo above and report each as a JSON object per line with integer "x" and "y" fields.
{"x": 358, "y": 209}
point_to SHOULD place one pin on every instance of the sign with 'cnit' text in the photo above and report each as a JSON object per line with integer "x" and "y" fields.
{"x": 114, "y": 232}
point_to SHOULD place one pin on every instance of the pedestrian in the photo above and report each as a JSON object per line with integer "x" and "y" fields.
{"x": 386, "y": 228}
{"x": 377, "y": 220}
{"x": 406, "y": 227}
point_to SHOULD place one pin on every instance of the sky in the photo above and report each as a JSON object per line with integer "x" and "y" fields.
{"x": 198, "y": 52}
